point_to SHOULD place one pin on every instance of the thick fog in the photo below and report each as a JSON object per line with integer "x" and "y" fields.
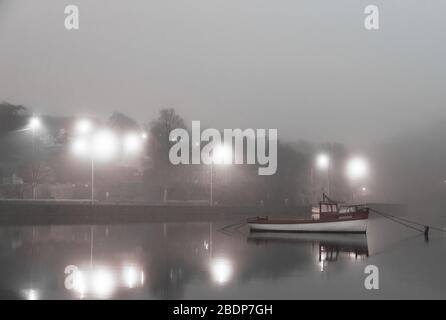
{"x": 307, "y": 68}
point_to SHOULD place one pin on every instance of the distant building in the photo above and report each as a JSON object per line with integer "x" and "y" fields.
{"x": 13, "y": 179}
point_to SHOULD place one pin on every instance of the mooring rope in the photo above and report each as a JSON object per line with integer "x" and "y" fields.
{"x": 402, "y": 221}
{"x": 399, "y": 220}
{"x": 236, "y": 224}
{"x": 394, "y": 219}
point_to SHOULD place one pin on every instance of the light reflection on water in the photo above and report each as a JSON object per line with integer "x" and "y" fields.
{"x": 198, "y": 261}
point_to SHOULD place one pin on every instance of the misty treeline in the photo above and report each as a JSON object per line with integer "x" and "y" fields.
{"x": 152, "y": 178}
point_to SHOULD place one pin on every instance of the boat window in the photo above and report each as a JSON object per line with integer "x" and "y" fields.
{"x": 348, "y": 209}
{"x": 329, "y": 208}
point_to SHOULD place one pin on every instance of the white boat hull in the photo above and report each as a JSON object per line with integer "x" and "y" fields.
{"x": 351, "y": 226}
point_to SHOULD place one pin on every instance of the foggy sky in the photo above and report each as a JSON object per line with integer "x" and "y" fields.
{"x": 308, "y": 68}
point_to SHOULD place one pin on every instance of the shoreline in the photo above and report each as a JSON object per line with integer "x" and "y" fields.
{"x": 81, "y": 212}
{"x": 48, "y": 212}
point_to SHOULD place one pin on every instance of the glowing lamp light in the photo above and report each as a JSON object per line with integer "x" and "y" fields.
{"x": 322, "y": 161}
{"x": 84, "y": 126}
{"x": 132, "y": 143}
{"x": 35, "y": 123}
{"x": 104, "y": 145}
{"x": 222, "y": 155}
{"x": 221, "y": 270}
{"x": 80, "y": 147}
{"x": 357, "y": 168}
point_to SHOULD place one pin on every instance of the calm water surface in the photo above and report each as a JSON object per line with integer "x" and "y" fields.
{"x": 201, "y": 260}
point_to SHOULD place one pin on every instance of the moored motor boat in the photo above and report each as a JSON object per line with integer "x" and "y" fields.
{"x": 330, "y": 217}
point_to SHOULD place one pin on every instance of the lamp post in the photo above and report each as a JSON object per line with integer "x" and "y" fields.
{"x": 357, "y": 169}
{"x": 92, "y": 179}
{"x": 34, "y": 124}
{"x": 211, "y": 195}
{"x": 220, "y": 155}
{"x": 101, "y": 145}
{"x": 323, "y": 163}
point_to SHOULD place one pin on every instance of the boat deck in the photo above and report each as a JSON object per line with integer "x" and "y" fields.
{"x": 328, "y": 218}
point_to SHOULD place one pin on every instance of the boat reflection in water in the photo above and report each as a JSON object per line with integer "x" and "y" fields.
{"x": 331, "y": 246}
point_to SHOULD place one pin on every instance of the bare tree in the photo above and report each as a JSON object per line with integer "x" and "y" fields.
{"x": 122, "y": 123}
{"x": 163, "y": 172}
{"x": 12, "y": 116}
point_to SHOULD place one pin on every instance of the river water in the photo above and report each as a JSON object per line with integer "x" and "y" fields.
{"x": 217, "y": 260}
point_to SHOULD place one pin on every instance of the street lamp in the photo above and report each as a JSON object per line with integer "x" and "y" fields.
{"x": 132, "y": 143}
{"x": 80, "y": 147}
{"x": 220, "y": 155}
{"x": 357, "y": 168}
{"x": 34, "y": 124}
{"x": 101, "y": 145}
{"x": 83, "y": 126}
{"x": 323, "y": 163}
{"x": 104, "y": 145}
